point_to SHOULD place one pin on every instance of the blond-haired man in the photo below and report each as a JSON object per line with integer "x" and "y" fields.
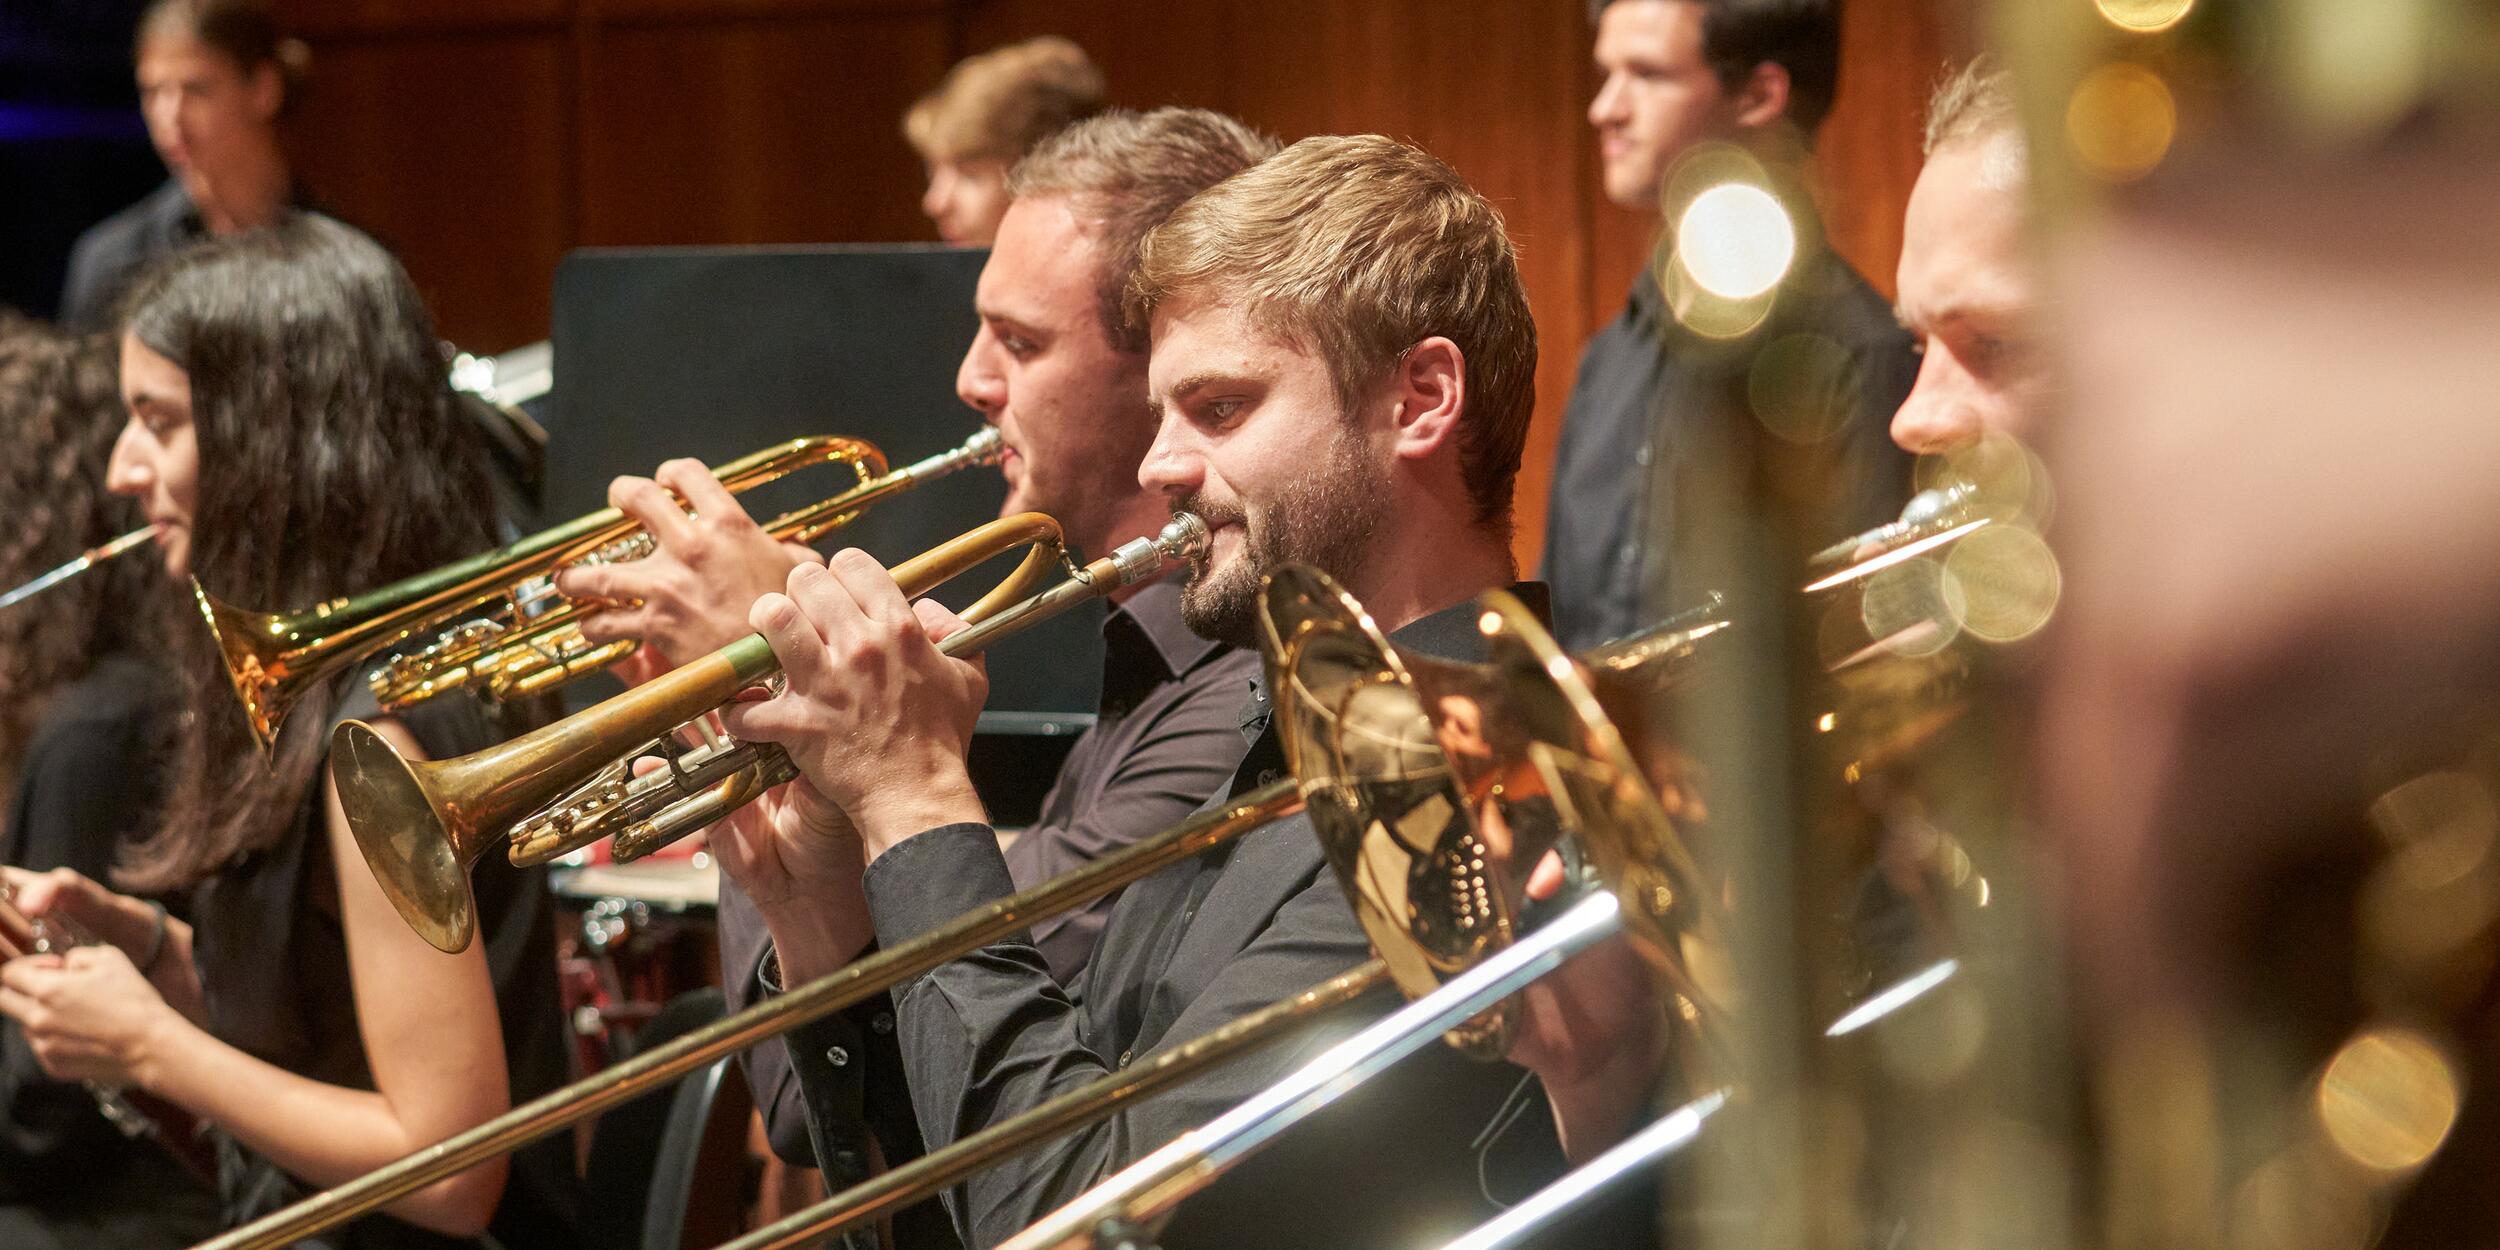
{"x": 991, "y": 110}
{"x": 1342, "y": 363}
{"x": 1966, "y": 284}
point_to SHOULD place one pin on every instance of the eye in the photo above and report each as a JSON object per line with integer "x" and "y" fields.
{"x": 1221, "y": 411}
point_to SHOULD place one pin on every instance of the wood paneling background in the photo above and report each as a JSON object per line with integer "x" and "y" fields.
{"x": 484, "y": 138}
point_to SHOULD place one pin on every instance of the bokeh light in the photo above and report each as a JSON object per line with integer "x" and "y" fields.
{"x": 2006, "y": 581}
{"x": 2302, "y": 1199}
{"x": 1736, "y": 241}
{"x": 2121, "y": 121}
{"x": 2388, "y": 1099}
{"x": 2144, "y": 17}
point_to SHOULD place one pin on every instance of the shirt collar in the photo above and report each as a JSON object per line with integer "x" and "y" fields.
{"x": 1155, "y": 610}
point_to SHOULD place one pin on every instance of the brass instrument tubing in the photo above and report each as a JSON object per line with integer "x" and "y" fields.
{"x": 1096, "y": 1100}
{"x": 803, "y": 1005}
{"x": 1158, "y": 1182}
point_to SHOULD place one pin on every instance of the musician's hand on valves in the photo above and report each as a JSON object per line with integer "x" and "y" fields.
{"x": 690, "y": 596}
{"x": 88, "y": 1015}
{"x": 1592, "y": 1033}
{"x": 872, "y": 713}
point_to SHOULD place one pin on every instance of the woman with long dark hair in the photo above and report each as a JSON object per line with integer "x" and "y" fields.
{"x": 293, "y": 439}
{"x": 84, "y": 718}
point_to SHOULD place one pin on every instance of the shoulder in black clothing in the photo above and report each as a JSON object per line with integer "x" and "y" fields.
{"x": 111, "y": 252}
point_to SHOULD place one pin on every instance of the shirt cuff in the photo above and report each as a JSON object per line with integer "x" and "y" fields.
{"x": 931, "y": 878}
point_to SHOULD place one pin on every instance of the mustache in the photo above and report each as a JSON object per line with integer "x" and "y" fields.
{"x": 1214, "y": 514}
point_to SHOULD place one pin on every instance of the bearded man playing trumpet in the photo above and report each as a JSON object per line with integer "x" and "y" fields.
{"x": 1056, "y": 369}
{"x": 1342, "y": 365}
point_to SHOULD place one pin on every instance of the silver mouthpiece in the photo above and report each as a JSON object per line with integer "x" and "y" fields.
{"x": 1185, "y": 538}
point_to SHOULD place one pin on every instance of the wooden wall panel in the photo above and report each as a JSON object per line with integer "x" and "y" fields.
{"x": 451, "y": 150}
{"x": 317, "y": 19}
{"x": 486, "y": 136}
{"x": 779, "y": 132}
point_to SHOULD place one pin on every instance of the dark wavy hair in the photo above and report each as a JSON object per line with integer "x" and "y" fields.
{"x": 331, "y": 460}
{"x": 60, "y": 410}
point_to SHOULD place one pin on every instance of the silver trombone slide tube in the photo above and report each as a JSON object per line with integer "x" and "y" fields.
{"x": 1631, "y": 1156}
{"x": 1673, "y": 1131}
{"x": 1153, "y": 1185}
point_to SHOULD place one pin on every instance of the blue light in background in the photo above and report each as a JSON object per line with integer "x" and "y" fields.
{"x": 48, "y": 123}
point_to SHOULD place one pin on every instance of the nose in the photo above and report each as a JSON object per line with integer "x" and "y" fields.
{"x": 1607, "y": 105}
{"x": 941, "y": 192}
{"x": 1941, "y": 413}
{"x": 128, "y": 472}
{"x": 1174, "y": 466}
{"x": 978, "y": 381}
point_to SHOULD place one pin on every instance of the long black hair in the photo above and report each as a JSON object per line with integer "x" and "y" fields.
{"x": 331, "y": 460}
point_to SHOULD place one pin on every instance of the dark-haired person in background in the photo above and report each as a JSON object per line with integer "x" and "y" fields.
{"x": 83, "y": 716}
{"x": 293, "y": 438}
{"x": 214, "y": 77}
{"x": 1653, "y": 395}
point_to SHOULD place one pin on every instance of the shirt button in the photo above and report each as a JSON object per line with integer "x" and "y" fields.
{"x": 1641, "y": 455}
{"x": 882, "y": 1022}
{"x": 837, "y": 1056}
{"x": 1125, "y": 1056}
{"x": 1269, "y": 776}
{"x": 846, "y": 1161}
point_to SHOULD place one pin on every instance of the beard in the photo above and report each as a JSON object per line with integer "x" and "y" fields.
{"x": 1324, "y": 519}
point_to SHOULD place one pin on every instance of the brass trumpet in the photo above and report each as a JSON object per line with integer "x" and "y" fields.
{"x": 533, "y": 642}
{"x": 421, "y": 824}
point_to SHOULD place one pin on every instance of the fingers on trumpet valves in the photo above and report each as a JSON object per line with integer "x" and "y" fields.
{"x": 712, "y": 503}
{"x": 654, "y": 507}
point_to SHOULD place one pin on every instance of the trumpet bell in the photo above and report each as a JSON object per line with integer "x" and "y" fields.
{"x": 257, "y": 648}
{"x": 392, "y": 809}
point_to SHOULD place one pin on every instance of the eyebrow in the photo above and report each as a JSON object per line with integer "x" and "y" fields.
{"x": 1193, "y": 384}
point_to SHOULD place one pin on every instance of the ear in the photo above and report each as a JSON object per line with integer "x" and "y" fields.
{"x": 1429, "y": 392}
{"x": 268, "y": 92}
{"x": 1764, "y": 97}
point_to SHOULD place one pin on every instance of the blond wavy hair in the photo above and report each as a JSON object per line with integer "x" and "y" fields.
{"x": 1356, "y": 248}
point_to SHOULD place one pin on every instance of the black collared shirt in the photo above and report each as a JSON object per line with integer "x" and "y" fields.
{"x": 111, "y": 252}
{"x": 1191, "y": 948}
{"x": 1166, "y": 737}
{"x": 1652, "y": 399}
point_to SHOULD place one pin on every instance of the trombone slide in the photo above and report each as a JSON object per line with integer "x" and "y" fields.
{"x": 1155, "y": 1184}
{"x": 773, "y": 1017}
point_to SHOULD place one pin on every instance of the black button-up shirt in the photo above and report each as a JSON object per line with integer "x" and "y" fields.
{"x": 1166, "y": 736}
{"x": 1191, "y": 948}
{"x": 111, "y": 252}
{"x": 1652, "y": 398}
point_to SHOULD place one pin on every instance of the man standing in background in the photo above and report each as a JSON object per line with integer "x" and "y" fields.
{"x": 1653, "y": 393}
